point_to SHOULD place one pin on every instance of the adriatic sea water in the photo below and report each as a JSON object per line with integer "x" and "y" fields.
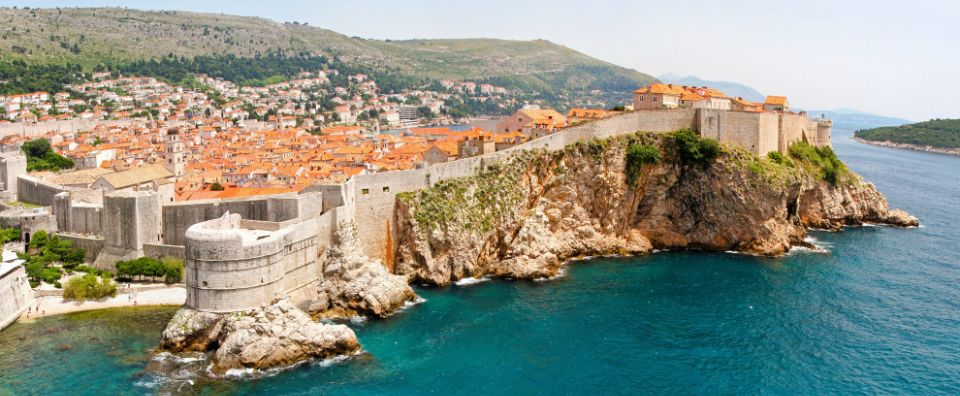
{"x": 878, "y": 313}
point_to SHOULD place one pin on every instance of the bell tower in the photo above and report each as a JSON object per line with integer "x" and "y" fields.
{"x": 173, "y": 153}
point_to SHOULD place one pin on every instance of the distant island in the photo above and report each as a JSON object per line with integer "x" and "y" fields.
{"x": 938, "y": 135}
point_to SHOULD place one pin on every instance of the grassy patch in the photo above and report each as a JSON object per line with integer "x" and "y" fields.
{"x": 822, "y": 161}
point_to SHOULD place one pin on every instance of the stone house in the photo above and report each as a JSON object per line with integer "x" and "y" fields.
{"x": 776, "y": 103}
{"x": 533, "y": 122}
{"x": 476, "y": 145}
{"x": 441, "y": 151}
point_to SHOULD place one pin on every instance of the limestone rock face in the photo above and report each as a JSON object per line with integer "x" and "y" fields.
{"x": 275, "y": 336}
{"x": 524, "y": 218}
{"x": 355, "y": 284}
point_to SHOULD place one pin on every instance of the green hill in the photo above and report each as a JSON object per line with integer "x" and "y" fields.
{"x": 97, "y": 36}
{"x": 937, "y": 133}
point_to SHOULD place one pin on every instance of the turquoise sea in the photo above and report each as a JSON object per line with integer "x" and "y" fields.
{"x": 879, "y": 313}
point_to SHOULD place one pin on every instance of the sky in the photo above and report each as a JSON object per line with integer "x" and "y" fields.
{"x": 893, "y": 58}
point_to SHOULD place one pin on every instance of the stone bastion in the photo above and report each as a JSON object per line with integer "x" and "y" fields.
{"x": 235, "y": 265}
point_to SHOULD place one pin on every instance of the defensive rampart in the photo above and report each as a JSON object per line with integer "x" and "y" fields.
{"x": 375, "y": 194}
{"x": 15, "y": 291}
{"x": 234, "y": 265}
{"x": 36, "y": 191}
{"x": 178, "y": 217}
{"x": 242, "y": 253}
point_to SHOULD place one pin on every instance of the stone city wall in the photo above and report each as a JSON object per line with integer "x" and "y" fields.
{"x": 158, "y": 251}
{"x": 36, "y": 191}
{"x": 77, "y": 217}
{"x": 16, "y": 294}
{"x": 130, "y": 219}
{"x": 91, "y": 246}
{"x": 271, "y": 246}
{"x": 756, "y": 132}
{"x": 178, "y": 217}
{"x": 375, "y": 193}
{"x": 230, "y": 267}
{"x": 61, "y": 126}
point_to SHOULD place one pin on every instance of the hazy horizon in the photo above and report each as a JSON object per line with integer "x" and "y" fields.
{"x": 819, "y": 54}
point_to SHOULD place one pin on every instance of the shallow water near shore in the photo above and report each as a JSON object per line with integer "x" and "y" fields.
{"x": 878, "y": 312}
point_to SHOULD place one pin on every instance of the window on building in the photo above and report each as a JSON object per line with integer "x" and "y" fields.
{"x": 365, "y": 191}
{"x": 386, "y": 188}
{"x": 654, "y": 98}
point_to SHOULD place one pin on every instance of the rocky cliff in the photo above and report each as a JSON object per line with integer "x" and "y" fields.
{"x": 629, "y": 195}
{"x": 355, "y": 284}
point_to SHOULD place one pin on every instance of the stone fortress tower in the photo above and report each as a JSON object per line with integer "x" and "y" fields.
{"x": 173, "y": 153}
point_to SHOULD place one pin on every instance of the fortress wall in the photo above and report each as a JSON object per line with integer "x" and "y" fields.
{"x": 768, "y": 134}
{"x": 86, "y": 220}
{"x": 824, "y": 130}
{"x": 77, "y": 217}
{"x": 792, "y": 130}
{"x": 36, "y": 191}
{"x": 756, "y": 132}
{"x": 159, "y": 251}
{"x": 16, "y": 293}
{"x": 375, "y": 207}
{"x": 130, "y": 219}
{"x": 60, "y": 126}
{"x": 302, "y": 268}
{"x": 331, "y": 195}
{"x": 375, "y": 199}
{"x": 91, "y": 246}
{"x": 178, "y": 217}
{"x": 230, "y": 269}
{"x": 309, "y": 205}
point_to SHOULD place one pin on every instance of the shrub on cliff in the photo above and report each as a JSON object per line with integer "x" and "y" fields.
{"x": 695, "y": 150}
{"x": 824, "y": 159}
{"x": 637, "y": 156}
{"x": 81, "y": 288}
{"x": 775, "y": 156}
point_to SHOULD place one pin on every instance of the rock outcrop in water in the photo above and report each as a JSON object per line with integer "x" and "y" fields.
{"x": 524, "y": 218}
{"x": 355, "y": 284}
{"x": 275, "y": 336}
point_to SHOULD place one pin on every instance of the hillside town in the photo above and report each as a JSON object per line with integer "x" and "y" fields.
{"x": 233, "y": 141}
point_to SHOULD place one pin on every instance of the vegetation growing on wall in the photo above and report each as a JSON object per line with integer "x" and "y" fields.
{"x": 477, "y": 202}
{"x": 822, "y": 160}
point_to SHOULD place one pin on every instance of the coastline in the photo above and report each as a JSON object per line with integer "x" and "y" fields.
{"x": 56, "y": 305}
{"x": 906, "y": 146}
